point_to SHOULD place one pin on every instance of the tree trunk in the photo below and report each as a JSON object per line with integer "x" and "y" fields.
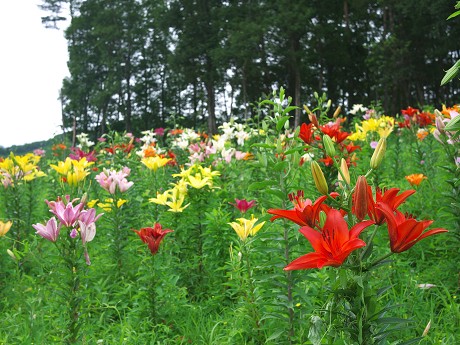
{"x": 212, "y": 128}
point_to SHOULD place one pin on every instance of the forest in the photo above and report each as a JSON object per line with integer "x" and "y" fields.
{"x": 136, "y": 65}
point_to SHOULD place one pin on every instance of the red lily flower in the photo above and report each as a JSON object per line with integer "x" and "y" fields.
{"x": 306, "y": 133}
{"x": 410, "y": 111}
{"x": 389, "y": 197}
{"x": 332, "y": 245}
{"x": 153, "y": 236}
{"x": 327, "y": 161}
{"x": 405, "y": 231}
{"x": 304, "y": 213}
{"x": 351, "y": 148}
{"x": 333, "y": 129}
{"x": 243, "y": 205}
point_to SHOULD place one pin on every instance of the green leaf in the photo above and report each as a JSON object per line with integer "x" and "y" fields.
{"x": 392, "y": 320}
{"x": 455, "y": 14}
{"x": 261, "y": 185}
{"x": 411, "y": 341}
{"x": 289, "y": 109}
{"x": 454, "y": 124}
{"x": 451, "y": 73}
{"x": 281, "y": 122}
{"x": 275, "y": 335}
{"x": 265, "y": 146}
{"x": 277, "y": 193}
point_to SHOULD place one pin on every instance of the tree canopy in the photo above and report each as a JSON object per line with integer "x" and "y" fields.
{"x": 139, "y": 64}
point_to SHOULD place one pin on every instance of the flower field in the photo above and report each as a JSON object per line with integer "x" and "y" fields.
{"x": 344, "y": 230}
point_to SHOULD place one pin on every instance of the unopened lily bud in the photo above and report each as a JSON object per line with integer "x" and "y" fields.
{"x": 427, "y": 329}
{"x": 344, "y": 174}
{"x": 328, "y": 104}
{"x": 84, "y": 199}
{"x": 379, "y": 152}
{"x": 307, "y": 110}
{"x": 440, "y": 125}
{"x": 313, "y": 119}
{"x": 337, "y": 112}
{"x": 318, "y": 177}
{"x": 360, "y": 198}
{"x": 329, "y": 145}
{"x": 11, "y": 254}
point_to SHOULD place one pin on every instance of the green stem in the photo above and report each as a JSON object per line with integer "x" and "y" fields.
{"x": 152, "y": 293}
{"x": 380, "y": 259}
{"x": 369, "y": 242}
{"x": 250, "y": 289}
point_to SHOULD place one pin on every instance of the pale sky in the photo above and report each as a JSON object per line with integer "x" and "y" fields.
{"x": 33, "y": 63}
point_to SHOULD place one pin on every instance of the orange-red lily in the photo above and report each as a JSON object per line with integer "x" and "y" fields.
{"x": 405, "y": 231}
{"x": 332, "y": 245}
{"x": 304, "y": 213}
{"x": 390, "y": 197}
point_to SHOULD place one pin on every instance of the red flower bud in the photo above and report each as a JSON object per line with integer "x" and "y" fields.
{"x": 360, "y": 198}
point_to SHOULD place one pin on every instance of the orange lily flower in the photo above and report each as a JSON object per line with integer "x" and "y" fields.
{"x": 415, "y": 179}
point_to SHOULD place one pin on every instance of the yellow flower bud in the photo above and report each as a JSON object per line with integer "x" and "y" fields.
{"x": 344, "y": 174}
{"x": 379, "y": 152}
{"x": 337, "y": 112}
{"x": 318, "y": 177}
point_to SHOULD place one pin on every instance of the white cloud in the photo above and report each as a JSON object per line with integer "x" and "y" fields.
{"x": 33, "y": 62}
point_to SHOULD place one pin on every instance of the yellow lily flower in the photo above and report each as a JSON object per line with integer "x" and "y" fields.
{"x": 206, "y": 172}
{"x": 184, "y": 173}
{"x": 91, "y": 203}
{"x": 107, "y": 205}
{"x": 81, "y": 164}
{"x": 161, "y": 199}
{"x": 175, "y": 205}
{"x": 180, "y": 186}
{"x": 245, "y": 227}
{"x": 121, "y": 202}
{"x": 154, "y": 163}
{"x": 5, "y": 227}
{"x": 63, "y": 168}
{"x": 198, "y": 181}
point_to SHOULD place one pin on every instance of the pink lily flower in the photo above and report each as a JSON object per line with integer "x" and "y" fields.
{"x": 67, "y": 214}
{"x": 50, "y": 231}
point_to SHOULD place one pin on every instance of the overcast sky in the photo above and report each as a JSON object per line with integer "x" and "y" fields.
{"x": 33, "y": 62}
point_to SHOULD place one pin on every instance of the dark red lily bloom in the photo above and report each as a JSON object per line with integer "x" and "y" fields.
{"x": 389, "y": 197}
{"x": 153, "y": 236}
{"x": 332, "y": 245}
{"x": 304, "y": 213}
{"x": 78, "y": 154}
{"x": 243, "y": 205}
{"x": 405, "y": 231}
{"x": 306, "y": 133}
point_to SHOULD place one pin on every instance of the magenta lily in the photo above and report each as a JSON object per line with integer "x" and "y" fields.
{"x": 243, "y": 205}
